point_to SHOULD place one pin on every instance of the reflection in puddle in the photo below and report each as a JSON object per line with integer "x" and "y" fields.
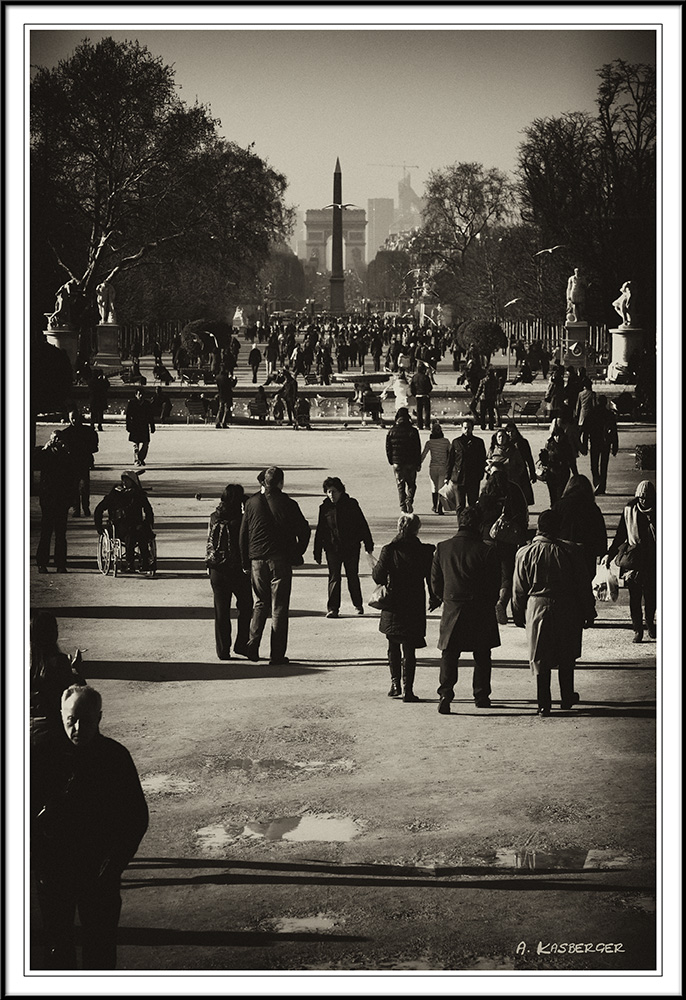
{"x": 310, "y": 826}
{"x": 573, "y": 857}
{"x": 213, "y": 837}
{"x": 165, "y": 784}
{"x": 293, "y": 925}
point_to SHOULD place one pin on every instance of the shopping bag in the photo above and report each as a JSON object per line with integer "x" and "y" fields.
{"x": 605, "y": 584}
{"x": 447, "y": 494}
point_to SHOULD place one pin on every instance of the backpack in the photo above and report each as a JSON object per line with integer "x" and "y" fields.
{"x": 218, "y": 545}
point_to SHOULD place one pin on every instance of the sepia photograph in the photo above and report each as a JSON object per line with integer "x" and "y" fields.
{"x": 378, "y": 691}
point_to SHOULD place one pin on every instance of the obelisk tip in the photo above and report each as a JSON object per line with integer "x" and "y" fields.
{"x": 337, "y": 169}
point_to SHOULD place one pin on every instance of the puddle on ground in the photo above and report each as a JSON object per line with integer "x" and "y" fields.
{"x": 275, "y": 764}
{"x": 165, "y": 784}
{"x": 310, "y": 826}
{"x": 214, "y": 837}
{"x": 574, "y": 858}
{"x": 295, "y": 925}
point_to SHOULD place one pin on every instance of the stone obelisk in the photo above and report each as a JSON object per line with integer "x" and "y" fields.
{"x": 337, "y": 276}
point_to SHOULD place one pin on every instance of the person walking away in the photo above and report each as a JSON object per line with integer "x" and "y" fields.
{"x": 635, "y": 547}
{"x": 56, "y": 495}
{"x": 403, "y": 451}
{"x": 88, "y": 816}
{"x": 140, "y": 425}
{"x": 82, "y": 443}
{"x": 129, "y": 510}
{"x": 224, "y": 568}
{"x": 51, "y": 673}
{"x": 556, "y": 460}
{"x": 465, "y": 576}
{"x": 553, "y": 599}
{"x": 255, "y": 360}
{"x": 404, "y": 566}
{"x": 225, "y": 386}
{"x": 341, "y": 529}
{"x": 421, "y": 388}
{"x": 98, "y": 386}
{"x": 600, "y": 436}
{"x": 438, "y": 447}
{"x": 274, "y": 535}
{"x": 466, "y": 465}
{"x": 500, "y": 497}
{"x": 582, "y": 521}
{"x": 400, "y": 388}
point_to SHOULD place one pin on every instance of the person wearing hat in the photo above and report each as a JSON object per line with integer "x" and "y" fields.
{"x": 635, "y": 546}
{"x": 552, "y": 598}
{"x": 129, "y": 510}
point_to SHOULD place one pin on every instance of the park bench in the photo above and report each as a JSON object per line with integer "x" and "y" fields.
{"x": 527, "y": 411}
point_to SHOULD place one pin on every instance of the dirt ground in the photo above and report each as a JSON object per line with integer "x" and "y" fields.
{"x": 301, "y": 820}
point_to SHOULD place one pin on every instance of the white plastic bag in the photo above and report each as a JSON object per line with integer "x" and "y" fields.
{"x": 605, "y": 584}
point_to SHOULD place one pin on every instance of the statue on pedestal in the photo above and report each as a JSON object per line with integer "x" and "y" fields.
{"x": 576, "y": 297}
{"x": 624, "y": 306}
{"x": 64, "y": 305}
{"x": 105, "y": 293}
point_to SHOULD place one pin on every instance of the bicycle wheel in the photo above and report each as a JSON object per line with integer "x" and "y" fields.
{"x": 104, "y": 553}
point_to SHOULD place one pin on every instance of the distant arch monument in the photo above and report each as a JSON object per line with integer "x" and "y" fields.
{"x": 319, "y": 230}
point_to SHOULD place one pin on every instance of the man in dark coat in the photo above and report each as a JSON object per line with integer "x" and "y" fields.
{"x": 255, "y": 360}
{"x": 466, "y": 465}
{"x": 82, "y": 443}
{"x": 421, "y": 388}
{"x": 274, "y": 535}
{"x": 341, "y": 528}
{"x": 129, "y": 510}
{"x": 140, "y": 424}
{"x": 487, "y": 396}
{"x": 552, "y": 597}
{"x": 98, "y": 386}
{"x": 403, "y": 451}
{"x": 225, "y": 387}
{"x": 56, "y": 495}
{"x": 88, "y": 816}
{"x": 600, "y": 431}
{"x": 465, "y": 575}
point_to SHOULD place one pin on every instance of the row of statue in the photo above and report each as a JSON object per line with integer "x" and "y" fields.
{"x": 69, "y": 302}
{"x": 576, "y": 300}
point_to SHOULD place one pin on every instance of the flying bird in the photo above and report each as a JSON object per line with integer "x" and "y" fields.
{"x": 511, "y": 302}
{"x": 550, "y": 249}
{"x": 336, "y": 205}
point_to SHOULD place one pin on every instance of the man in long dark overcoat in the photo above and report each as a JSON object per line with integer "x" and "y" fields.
{"x": 465, "y": 575}
{"x": 140, "y": 424}
{"x": 552, "y": 597}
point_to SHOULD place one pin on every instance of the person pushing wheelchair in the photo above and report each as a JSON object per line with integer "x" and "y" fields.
{"x": 129, "y": 510}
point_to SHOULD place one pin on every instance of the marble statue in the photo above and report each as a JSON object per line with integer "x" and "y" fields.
{"x": 105, "y": 293}
{"x": 576, "y": 297}
{"x": 624, "y": 306}
{"x": 65, "y": 300}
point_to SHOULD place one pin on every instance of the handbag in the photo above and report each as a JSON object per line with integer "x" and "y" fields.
{"x": 628, "y": 557}
{"x": 381, "y": 598}
{"x": 503, "y": 530}
{"x": 605, "y": 584}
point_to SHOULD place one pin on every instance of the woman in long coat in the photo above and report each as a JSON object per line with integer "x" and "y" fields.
{"x": 557, "y": 459}
{"x": 637, "y": 532}
{"x": 582, "y": 520}
{"x": 405, "y": 567}
{"x": 439, "y": 448}
{"x": 524, "y": 449}
{"x": 341, "y": 529}
{"x": 223, "y": 561}
{"x": 504, "y": 454}
{"x": 501, "y": 496}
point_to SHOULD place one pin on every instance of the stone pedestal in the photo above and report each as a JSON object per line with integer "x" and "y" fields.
{"x": 576, "y": 344}
{"x": 107, "y": 354}
{"x": 625, "y": 340}
{"x": 66, "y": 339}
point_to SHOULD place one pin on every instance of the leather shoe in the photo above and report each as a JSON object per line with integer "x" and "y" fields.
{"x": 444, "y": 707}
{"x": 278, "y": 663}
{"x": 332, "y": 614}
{"x": 652, "y": 632}
{"x": 483, "y": 703}
{"x": 544, "y": 711}
{"x": 360, "y": 611}
{"x": 638, "y": 636}
{"x": 251, "y": 653}
{"x": 241, "y": 649}
{"x": 42, "y": 569}
{"x": 395, "y": 691}
{"x": 410, "y": 696}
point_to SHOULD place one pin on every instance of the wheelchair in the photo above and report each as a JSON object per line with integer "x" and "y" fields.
{"x": 111, "y": 553}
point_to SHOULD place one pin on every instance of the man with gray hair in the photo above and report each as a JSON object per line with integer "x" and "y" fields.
{"x": 274, "y": 536}
{"x": 88, "y": 816}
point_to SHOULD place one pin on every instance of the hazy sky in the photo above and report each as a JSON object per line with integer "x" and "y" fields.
{"x": 426, "y": 98}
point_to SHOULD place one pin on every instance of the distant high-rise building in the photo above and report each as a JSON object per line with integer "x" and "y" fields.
{"x": 380, "y": 215}
{"x": 410, "y": 206}
{"x": 298, "y": 232}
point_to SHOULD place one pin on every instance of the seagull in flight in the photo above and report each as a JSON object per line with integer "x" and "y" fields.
{"x": 550, "y": 249}
{"x": 335, "y": 205}
{"x": 511, "y": 302}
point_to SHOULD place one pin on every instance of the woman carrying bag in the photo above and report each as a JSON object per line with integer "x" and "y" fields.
{"x": 404, "y": 567}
